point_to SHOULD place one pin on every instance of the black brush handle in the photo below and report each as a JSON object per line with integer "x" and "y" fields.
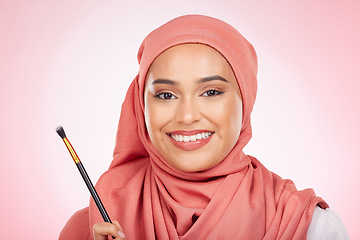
{"x": 93, "y": 192}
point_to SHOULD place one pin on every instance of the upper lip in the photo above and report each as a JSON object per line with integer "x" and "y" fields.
{"x": 187, "y": 132}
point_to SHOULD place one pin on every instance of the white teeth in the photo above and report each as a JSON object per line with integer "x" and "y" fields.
{"x": 191, "y": 138}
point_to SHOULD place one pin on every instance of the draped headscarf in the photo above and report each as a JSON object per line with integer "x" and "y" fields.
{"x": 237, "y": 199}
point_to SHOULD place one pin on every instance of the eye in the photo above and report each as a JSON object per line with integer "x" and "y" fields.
{"x": 165, "y": 96}
{"x": 212, "y": 93}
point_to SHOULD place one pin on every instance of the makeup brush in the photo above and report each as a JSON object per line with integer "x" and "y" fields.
{"x": 84, "y": 175}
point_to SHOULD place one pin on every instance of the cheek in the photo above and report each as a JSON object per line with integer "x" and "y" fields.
{"x": 151, "y": 119}
{"x": 235, "y": 115}
{"x": 227, "y": 116}
{"x": 156, "y": 117}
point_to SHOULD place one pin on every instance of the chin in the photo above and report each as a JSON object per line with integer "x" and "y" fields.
{"x": 197, "y": 165}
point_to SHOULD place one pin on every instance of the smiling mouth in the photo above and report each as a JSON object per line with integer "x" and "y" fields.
{"x": 190, "y": 138}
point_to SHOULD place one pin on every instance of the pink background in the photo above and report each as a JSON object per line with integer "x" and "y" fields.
{"x": 70, "y": 63}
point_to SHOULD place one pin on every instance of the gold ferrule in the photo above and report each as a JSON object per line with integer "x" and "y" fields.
{"x": 71, "y": 150}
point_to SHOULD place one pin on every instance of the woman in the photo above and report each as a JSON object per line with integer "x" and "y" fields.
{"x": 178, "y": 169}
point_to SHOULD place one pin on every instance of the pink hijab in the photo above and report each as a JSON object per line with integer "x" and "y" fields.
{"x": 237, "y": 199}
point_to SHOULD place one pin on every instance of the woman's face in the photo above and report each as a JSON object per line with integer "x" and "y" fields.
{"x": 193, "y": 107}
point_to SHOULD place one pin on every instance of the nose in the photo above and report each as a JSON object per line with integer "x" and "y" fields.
{"x": 188, "y": 111}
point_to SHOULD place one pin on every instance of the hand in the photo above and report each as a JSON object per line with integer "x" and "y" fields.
{"x": 103, "y": 229}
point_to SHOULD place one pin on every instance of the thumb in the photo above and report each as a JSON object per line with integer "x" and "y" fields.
{"x": 121, "y": 231}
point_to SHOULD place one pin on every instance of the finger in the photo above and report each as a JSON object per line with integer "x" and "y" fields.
{"x": 103, "y": 229}
{"x": 120, "y": 230}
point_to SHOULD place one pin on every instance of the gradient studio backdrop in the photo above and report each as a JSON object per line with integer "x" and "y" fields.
{"x": 70, "y": 63}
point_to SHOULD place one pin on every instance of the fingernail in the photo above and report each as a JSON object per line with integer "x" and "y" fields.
{"x": 121, "y": 234}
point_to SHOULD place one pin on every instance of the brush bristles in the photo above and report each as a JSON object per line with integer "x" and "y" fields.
{"x": 61, "y": 132}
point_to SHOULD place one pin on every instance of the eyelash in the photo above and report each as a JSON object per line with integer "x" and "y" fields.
{"x": 213, "y": 93}
{"x": 161, "y": 96}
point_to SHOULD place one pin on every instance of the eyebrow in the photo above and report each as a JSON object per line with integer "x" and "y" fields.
{"x": 212, "y": 78}
{"x": 163, "y": 81}
{"x": 202, "y": 80}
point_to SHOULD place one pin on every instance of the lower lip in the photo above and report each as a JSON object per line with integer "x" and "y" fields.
{"x": 190, "y": 146}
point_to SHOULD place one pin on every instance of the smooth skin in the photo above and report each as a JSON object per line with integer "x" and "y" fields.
{"x": 192, "y": 87}
{"x": 189, "y": 87}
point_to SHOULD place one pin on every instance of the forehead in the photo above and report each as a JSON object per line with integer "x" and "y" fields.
{"x": 185, "y": 60}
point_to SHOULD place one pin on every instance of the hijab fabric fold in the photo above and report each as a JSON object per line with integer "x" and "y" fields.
{"x": 237, "y": 199}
